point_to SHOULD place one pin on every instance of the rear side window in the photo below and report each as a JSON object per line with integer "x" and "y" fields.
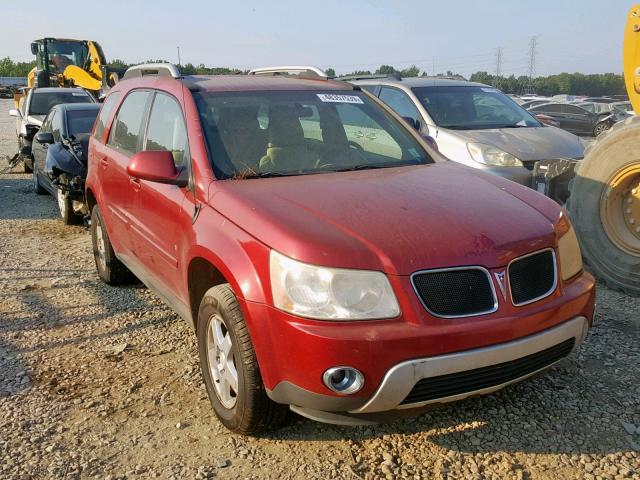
{"x": 107, "y": 107}
{"x": 166, "y": 130}
{"x": 573, "y": 110}
{"x": 126, "y": 130}
{"x": 554, "y": 108}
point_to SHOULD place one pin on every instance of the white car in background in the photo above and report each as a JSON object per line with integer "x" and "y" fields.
{"x": 32, "y": 110}
{"x": 481, "y": 127}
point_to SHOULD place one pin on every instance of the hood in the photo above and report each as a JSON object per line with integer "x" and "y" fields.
{"x": 397, "y": 220}
{"x": 35, "y": 120}
{"x": 528, "y": 143}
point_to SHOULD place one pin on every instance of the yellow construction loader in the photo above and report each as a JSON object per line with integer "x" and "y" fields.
{"x": 64, "y": 62}
{"x": 604, "y": 203}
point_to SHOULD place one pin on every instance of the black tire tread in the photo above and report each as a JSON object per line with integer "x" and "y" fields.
{"x": 616, "y": 268}
{"x": 116, "y": 273}
{"x": 262, "y": 413}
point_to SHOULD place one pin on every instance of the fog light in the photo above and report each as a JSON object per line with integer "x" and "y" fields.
{"x": 343, "y": 380}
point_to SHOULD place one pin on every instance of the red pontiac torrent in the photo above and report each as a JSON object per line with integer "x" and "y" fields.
{"x": 329, "y": 260}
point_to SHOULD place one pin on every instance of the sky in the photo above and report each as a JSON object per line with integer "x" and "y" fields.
{"x": 462, "y": 36}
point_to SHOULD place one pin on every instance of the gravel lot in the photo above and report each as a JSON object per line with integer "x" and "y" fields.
{"x": 101, "y": 382}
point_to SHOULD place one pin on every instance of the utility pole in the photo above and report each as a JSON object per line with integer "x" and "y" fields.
{"x": 179, "y": 63}
{"x": 496, "y": 80}
{"x": 533, "y": 46}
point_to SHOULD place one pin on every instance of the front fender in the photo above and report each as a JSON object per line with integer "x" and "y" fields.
{"x": 238, "y": 256}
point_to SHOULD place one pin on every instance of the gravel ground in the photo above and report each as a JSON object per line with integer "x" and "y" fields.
{"x": 101, "y": 382}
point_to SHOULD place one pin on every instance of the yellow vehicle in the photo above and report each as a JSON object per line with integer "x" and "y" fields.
{"x": 70, "y": 63}
{"x": 604, "y": 204}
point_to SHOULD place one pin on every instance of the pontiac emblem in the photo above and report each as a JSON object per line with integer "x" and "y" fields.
{"x": 500, "y": 278}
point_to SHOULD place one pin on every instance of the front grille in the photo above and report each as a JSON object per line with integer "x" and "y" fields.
{"x": 480, "y": 378}
{"x": 455, "y": 292}
{"x": 532, "y": 277}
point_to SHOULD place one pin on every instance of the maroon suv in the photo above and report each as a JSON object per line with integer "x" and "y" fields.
{"x": 329, "y": 260}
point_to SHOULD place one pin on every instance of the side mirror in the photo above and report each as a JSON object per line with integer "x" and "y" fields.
{"x": 44, "y": 137}
{"x": 413, "y": 123}
{"x": 156, "y": 166}
{"x": 34, "y": 48}
{"x": 14, "y": 112}
{"x": 431, "y": 141}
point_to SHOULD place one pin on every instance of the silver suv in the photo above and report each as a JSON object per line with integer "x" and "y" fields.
{"x": 481, "y": 127}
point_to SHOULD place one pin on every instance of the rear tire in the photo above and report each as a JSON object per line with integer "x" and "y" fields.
{"x": 36, "y": 182}
{"x": 607, "y": 232}
{"x": 27, "y": 168}
{"x": 224, "y": 346}
{"x": 600, "y": 128}
{"x": 110, "y": 270}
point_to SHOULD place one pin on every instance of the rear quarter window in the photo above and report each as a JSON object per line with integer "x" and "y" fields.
{"x": 105, "y": 112}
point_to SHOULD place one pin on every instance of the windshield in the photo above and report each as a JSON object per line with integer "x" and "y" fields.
{"x": 473, "y": 108}
{"x": 80, "y": 121}
{"x": 63, "y": 53}
{"x": 260, "y": 134}
{"x": 42, "y": 102}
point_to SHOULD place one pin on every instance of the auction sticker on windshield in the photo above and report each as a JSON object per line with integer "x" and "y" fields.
{"x": 334, "y": 98}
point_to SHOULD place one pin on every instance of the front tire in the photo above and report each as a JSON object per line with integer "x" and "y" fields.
{"x": 229, "y": 366}
{"x": 110, "y": 270}
{"x": 65, "y": 206}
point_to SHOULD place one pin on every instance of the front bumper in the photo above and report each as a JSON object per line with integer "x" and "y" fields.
{"x": 549, "y": 177}
{"x": 402, "y": 378}
{"x": 294, "y": 352}
{"x": 552, "y": 177}
{"x": 387, "y": 402}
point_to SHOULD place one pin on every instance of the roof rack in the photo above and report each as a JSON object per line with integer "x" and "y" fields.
{"x": 299, "y": 71}
{"x": 350, "y": 78}
{"x": 158, "y": 69}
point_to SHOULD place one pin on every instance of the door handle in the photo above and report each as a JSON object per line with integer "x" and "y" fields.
{"x": 135, "y": 183}
{"x": 104, "y": 162}
{"x": 358, "y": 134}
{"x": 372, "y": 136}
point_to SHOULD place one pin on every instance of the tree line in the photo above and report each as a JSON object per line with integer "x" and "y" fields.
{"x": 564, "y": 83}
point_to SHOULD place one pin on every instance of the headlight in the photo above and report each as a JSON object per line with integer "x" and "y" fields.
{"x": 490, "y": 155}
{"x": 568, "y": 249}
{"x": 330, "y": 293}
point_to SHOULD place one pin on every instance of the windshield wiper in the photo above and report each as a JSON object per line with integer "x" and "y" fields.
{"x": 371, "y": 166}
{"x": 265, "y": 175}
{"x": 512, "y": 125}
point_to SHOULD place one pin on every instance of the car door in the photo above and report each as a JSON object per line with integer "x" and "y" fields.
{"x": 118, "y": 190}
{"x": 39, "y": 150}
{"x": 554, "y": 111}
{"x": 162, "y": 213}
{"x": 581, "y": 120}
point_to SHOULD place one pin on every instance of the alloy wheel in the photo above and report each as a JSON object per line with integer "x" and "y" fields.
{"x": 222, "y": 362}
{"x": 101, "y": 247}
